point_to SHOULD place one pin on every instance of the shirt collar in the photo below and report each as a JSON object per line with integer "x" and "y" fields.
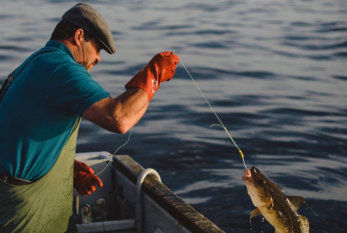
{"x": 61, "y": 46}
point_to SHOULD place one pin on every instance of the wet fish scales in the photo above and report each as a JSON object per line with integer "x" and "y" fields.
{"x": 278, "y": 209}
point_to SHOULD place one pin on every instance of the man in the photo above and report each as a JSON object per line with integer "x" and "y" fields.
{"x": 41, "y": 104}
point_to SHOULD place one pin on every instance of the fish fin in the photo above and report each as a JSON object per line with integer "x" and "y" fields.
{"x": 255, "y": 213}
{"x": 305, "y": 226}
{"x": 297, "y": 201}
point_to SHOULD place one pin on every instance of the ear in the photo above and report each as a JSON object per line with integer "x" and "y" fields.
{"x": 79, "y": 37}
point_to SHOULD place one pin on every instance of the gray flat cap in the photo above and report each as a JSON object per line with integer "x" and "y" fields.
{"x": 89, "y": 19}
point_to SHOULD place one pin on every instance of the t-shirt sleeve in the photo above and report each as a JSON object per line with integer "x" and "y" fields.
{"x": 73, "y": 89}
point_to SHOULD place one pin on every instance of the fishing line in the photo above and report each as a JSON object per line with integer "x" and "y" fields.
{"x": 221, "y": 123}
{"x": 116, "y": 152}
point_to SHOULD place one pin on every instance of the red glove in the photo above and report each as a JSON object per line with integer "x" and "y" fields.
{"x": 160, "y": 69}
{"x": 84, "y": 179}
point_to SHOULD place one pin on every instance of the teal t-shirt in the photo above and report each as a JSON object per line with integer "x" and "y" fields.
{"x": 40, "y": 108}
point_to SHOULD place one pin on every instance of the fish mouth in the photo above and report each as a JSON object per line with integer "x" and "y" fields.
{"x": 247, "y": 177}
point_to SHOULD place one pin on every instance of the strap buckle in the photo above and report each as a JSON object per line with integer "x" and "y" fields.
{"x": 10, "y": 78}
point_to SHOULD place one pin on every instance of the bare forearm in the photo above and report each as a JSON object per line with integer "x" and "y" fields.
{"x": 131, "y": 106}
{"x": 120, "y": 114}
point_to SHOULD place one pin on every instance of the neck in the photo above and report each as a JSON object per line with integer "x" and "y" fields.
{"x": 69, "y": 44}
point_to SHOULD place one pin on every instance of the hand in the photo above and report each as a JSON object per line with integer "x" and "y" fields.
{"x": 160, "y": 69}
{"x": 84, "y": 179}
{"x": 165, "y": 64}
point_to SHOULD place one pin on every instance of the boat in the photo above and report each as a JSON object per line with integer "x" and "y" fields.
{"x": 133, "y": 200}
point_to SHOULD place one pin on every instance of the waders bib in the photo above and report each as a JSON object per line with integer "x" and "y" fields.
{"x": 46, "y": 204}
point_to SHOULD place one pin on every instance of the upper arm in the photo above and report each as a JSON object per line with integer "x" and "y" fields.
{"x": 72, "y": 89}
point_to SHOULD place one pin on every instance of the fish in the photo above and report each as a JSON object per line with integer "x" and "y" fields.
{"x": 278, "y": 209}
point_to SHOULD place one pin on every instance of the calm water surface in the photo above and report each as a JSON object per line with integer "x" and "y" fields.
{"x": 275, "y": 72}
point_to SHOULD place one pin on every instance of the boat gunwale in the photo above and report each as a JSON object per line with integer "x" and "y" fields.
{"x": 185, "y": 214}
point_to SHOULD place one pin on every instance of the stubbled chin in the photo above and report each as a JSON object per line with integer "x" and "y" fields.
{"x": 89, "y": 68}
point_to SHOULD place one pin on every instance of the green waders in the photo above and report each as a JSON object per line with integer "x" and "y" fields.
{"x": 46, "y": 204}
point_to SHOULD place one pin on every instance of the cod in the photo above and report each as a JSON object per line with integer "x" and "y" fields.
{"x": 279, "y": 210}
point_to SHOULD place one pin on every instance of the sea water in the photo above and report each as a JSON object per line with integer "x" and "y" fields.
{"x": 274, "y": 71}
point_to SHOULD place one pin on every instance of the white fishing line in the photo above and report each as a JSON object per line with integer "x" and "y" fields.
{"x": 116, "y": 152}
{"x": 221, "y": 123}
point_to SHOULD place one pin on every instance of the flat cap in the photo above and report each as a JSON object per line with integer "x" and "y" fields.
{"x": 89, "y": 19}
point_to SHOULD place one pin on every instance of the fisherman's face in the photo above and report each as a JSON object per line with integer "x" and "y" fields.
{"x": 88, "y": 53}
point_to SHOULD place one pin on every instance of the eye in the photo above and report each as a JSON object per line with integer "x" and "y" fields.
{"x": 98, "y": 46}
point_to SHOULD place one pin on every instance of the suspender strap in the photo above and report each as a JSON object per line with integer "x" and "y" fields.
{"x": 11, "y": 77}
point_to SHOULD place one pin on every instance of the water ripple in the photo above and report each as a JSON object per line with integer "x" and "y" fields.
{"x": 151, "y": 26}
{"x": 317, "y": 46}
{"x": 211, "y": 45}
{"x": 338, "y": 77}
{"x": 275, "y": 72}
{"x": 202, "y": 32}
{"x": 14, "y": 48}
